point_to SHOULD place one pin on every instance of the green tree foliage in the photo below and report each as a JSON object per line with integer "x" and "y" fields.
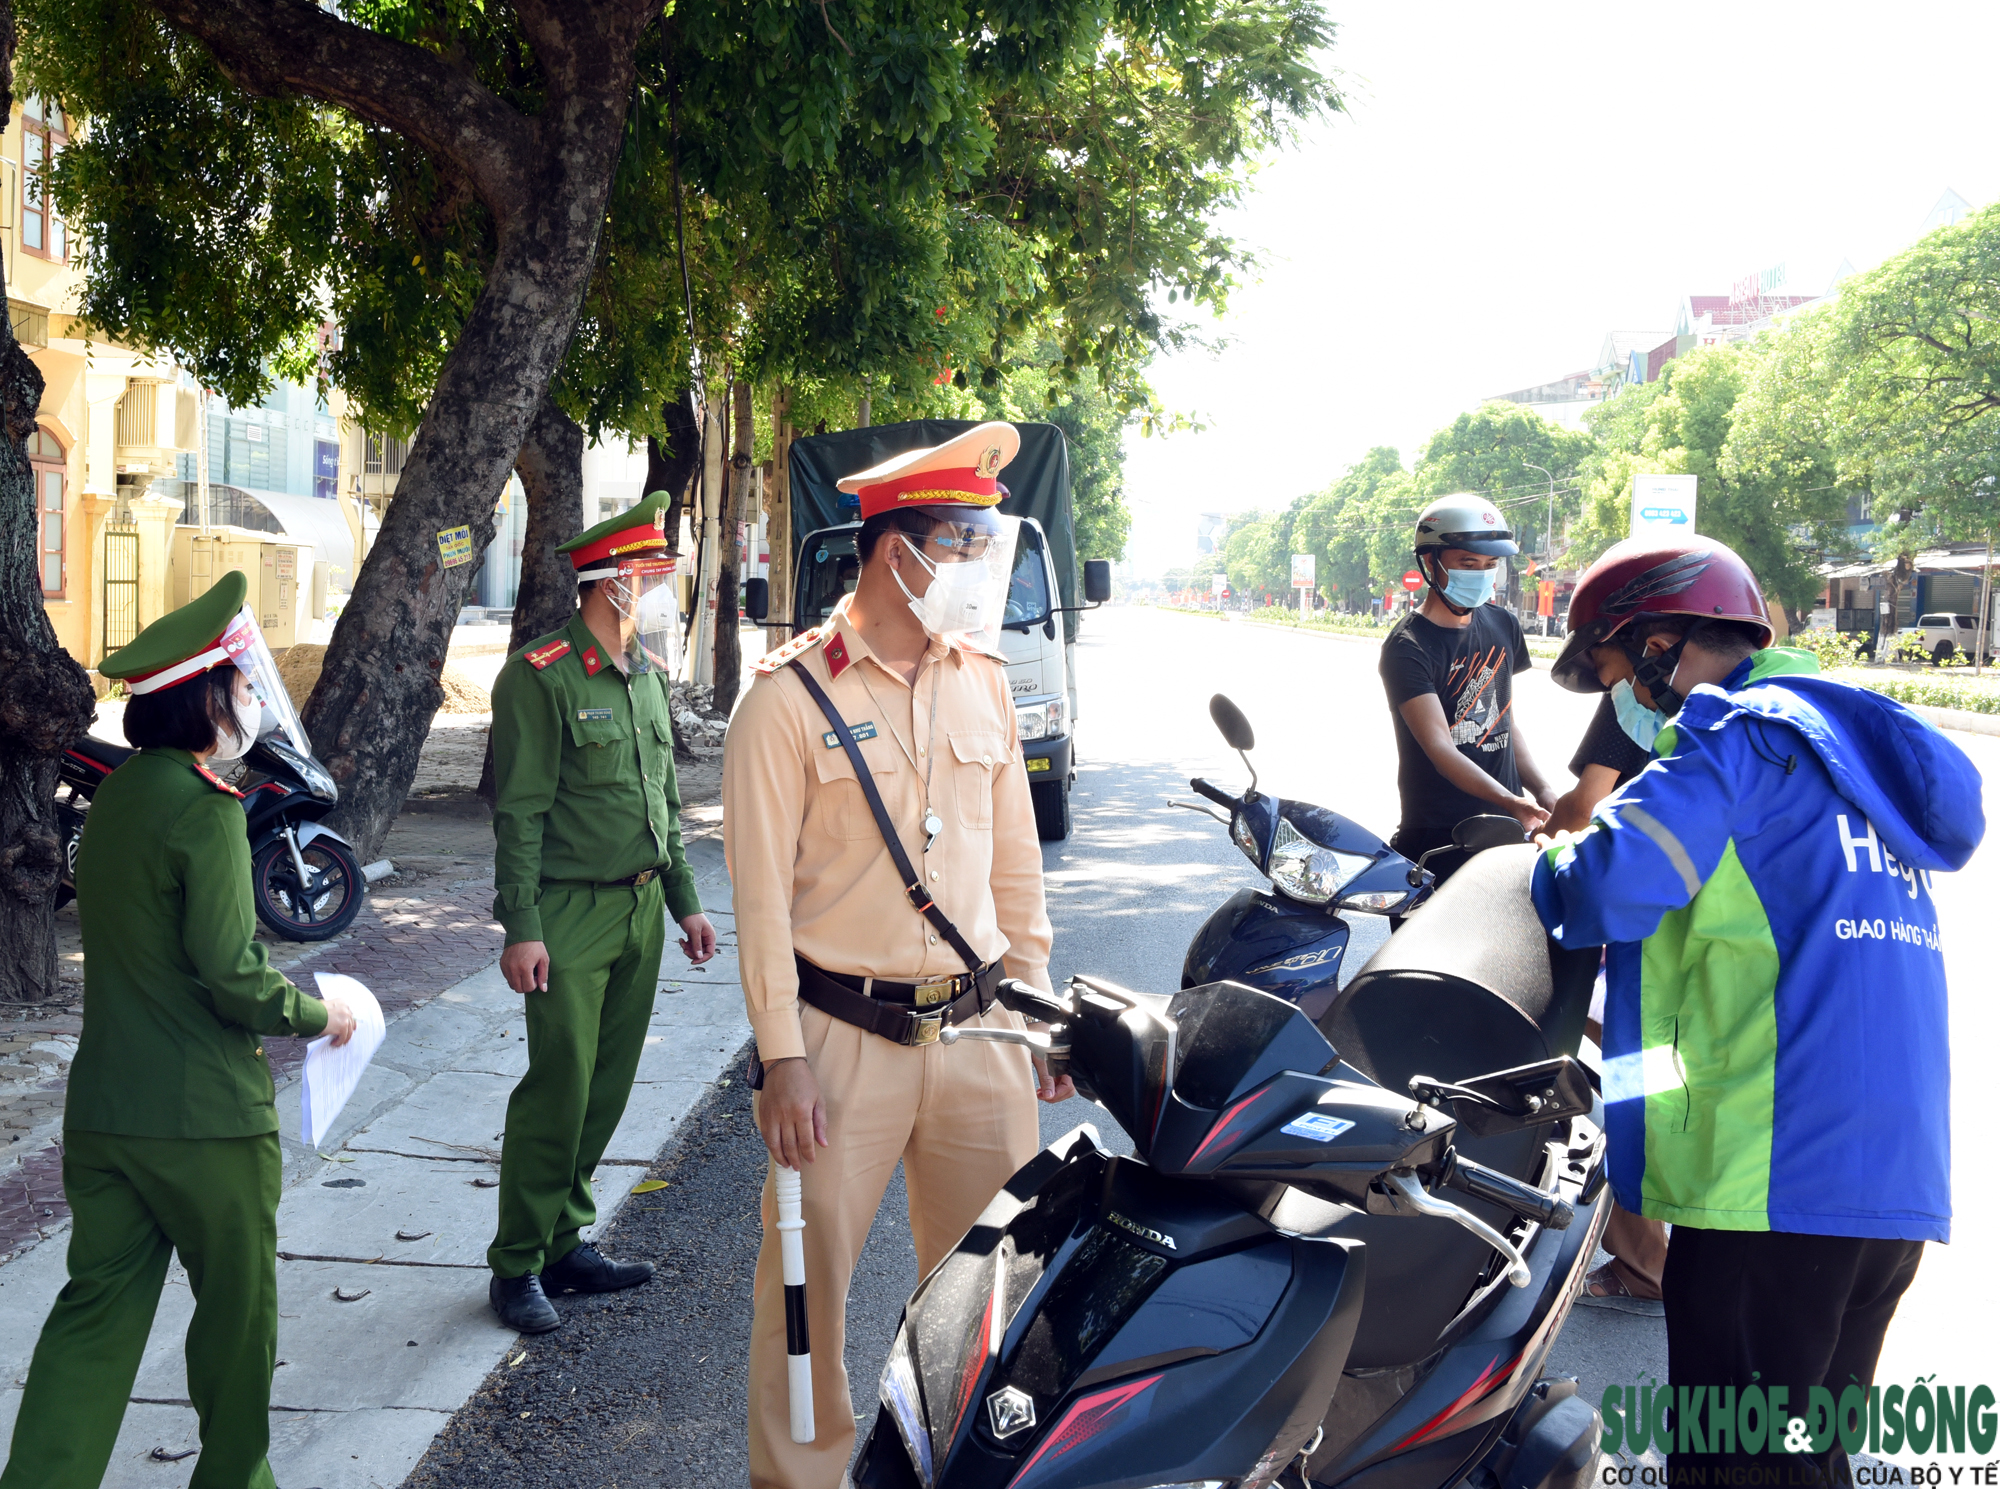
{"x": 1914, "y": 379}
{"x": 873, "y": 205}
{"x": 1493, "y": 450}
{"x": 1337, "y": 526}
{"x": 1759, "y": 492}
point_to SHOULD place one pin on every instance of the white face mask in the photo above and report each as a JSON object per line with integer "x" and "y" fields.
{"x": 963, "y": 597}
{"x": 233, "y": 742}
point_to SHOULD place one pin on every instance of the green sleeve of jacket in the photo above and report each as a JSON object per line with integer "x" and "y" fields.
{"x": 527, "y": 761}
{"x": 218, "y": 925}
{"x": 677, "y": 882}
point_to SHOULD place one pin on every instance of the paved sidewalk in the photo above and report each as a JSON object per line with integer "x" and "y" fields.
{"x": 384, "y": 1329}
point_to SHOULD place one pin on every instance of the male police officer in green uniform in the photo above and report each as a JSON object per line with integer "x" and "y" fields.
{"x": 170, "y": 1134}
{"x": 587, "y": 865}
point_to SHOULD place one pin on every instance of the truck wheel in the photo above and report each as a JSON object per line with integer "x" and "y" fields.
{"x": 1941, "y": 653}
{"x": 1052, "y": 814}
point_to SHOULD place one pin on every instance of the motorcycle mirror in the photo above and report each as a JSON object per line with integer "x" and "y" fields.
{"x": 1236, "y": 730}
{"x": 1477, "y": 834}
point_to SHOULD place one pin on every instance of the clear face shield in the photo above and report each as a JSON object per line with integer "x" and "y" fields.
{"x": 969, "y": 556}
{"x": 644, "y": 593}
{"x": 244, "y": 642}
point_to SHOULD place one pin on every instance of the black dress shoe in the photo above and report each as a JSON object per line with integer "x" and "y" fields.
{"x": 521, "y": 1304}
{"x": 588, "y": 1270}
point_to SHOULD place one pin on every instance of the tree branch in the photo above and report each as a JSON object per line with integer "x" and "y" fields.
{"x": 273, "y": 46}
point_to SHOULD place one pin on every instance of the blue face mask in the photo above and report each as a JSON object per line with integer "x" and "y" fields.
{"x": 1641, "y": 724}
{"x": 1466, "y": 588}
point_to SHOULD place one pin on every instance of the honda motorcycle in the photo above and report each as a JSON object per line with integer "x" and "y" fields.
{"x": 1274, "y": 1289}
{"x": 304, "y": 877}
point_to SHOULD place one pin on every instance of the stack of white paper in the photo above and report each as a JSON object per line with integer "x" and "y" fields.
{"x": 332, "y": 1074}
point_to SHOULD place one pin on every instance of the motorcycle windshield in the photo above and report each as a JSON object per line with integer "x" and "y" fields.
{"x": 246, "y": 647}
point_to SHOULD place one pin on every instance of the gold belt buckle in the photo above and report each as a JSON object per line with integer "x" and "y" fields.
{"x": 928, "y": 1026}
{"x": 935, "y": 992}
{"x": 644, "y": 877}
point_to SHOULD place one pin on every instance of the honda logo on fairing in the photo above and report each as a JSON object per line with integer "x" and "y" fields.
{"x": 1139, "y": 1230}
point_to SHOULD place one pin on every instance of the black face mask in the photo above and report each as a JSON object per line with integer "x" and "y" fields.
{"x": 1655, "y": 674}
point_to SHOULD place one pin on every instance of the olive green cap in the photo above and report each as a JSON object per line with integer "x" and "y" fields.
{"x": 179, "y": 636}
{"x": 641, "y": 528}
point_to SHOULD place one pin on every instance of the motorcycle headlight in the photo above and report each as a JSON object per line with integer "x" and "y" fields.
{"x": 1305, "y": 871}
{"x": 906, "y": 1405}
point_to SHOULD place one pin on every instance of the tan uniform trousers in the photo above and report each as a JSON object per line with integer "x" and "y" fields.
{"x": 962, "y": 1120}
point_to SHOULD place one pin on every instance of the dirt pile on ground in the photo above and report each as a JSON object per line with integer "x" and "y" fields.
{"x": 299, "y": 667}
{"x": 696, "y": 721}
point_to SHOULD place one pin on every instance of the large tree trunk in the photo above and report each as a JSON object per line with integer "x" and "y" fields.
{"x": 45, "y": 699}
{"x": 545, "y": 180}
{"x": 671, "y": 463}
{"x": 551, "y": 469}
{"x": 778, "y": 517}
{"x": 729, "y": 571}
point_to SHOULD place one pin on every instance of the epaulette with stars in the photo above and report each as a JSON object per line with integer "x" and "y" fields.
{"x": 837, "y": 658}
{"x": 215, "y": 780}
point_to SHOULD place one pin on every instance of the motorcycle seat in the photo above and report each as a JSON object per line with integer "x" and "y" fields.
{"x": 106, "y": 756}
{"x": 1469, "y": 984}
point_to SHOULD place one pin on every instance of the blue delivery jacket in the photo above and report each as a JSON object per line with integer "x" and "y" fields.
{"x": 1775, "y": 1041}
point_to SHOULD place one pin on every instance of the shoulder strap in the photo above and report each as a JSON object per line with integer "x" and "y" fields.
{"x": 912, "y": 882}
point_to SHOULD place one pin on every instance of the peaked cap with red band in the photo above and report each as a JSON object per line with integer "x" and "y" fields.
{"x": 185, "y": 643}
{"x": 962, "y": 472}
{"x": 638, "y": 532}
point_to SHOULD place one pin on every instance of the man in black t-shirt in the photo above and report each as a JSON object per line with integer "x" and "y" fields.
{"x": 1448, "y": 668}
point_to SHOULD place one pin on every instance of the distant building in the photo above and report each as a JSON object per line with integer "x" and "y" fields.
{"x": 1564, "y": 401}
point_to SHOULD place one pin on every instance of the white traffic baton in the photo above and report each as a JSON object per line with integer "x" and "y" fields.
{"x": 798, "y": 1348}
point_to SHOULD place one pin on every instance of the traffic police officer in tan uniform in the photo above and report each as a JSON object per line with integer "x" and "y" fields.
{"x": 587, "y": 868}
{"x": 846, "y": 983}
{"x": 170, "y": 1132}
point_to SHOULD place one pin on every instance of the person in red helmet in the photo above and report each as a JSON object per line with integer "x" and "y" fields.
{"x": 1776, "y": 1046}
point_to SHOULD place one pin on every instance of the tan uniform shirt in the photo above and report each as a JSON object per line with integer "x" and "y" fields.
{"x": 810, "y": 870}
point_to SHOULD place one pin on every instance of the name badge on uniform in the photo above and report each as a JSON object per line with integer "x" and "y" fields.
{"x": 859, "y": 731}
{"x": 586, "y": 715}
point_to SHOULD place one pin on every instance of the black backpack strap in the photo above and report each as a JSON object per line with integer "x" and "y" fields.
{"x": 913, "y": 886}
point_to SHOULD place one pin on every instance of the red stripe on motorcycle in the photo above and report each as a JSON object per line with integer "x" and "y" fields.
{"x": 1084, "y": 1421}
{"x": 1227, "y": 1117}
{"x": 1490, "y": 1380}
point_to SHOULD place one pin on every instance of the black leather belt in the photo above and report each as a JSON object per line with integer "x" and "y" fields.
{"x": 907, "y": 1013}
{"x": 630, "y": 881}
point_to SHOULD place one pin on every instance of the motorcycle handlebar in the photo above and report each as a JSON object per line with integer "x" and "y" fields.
{"x": 1484, "y": 1183}
{"x": 1215, "y": 794}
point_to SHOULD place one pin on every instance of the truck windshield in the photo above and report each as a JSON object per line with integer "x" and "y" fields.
{"x": 1028, "y": 594}
{"x": 831, "y": 571}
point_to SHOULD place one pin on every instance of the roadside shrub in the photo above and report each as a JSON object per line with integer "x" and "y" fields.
{"x": 1933, "y": 692}
{"x": 1833, "y": 648}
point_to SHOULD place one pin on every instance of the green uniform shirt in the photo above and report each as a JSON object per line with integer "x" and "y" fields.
{"x": 177, "y": 992}
{"x": 584, "y": 761}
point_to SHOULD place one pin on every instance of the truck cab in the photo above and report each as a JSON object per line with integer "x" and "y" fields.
{"x": 1040, "y": 674}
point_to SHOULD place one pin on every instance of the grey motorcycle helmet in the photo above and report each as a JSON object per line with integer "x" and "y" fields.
{"x": 1465, "y": 520}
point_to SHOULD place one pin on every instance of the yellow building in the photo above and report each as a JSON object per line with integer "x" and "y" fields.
{"x": 111, "y": 419}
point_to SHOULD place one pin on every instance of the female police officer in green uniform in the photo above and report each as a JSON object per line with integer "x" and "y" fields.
{"x": 170, "y": 1134}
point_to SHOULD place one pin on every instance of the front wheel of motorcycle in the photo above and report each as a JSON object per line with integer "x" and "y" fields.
{"x": 321, "y": 908}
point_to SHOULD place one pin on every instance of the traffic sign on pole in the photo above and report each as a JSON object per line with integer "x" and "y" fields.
{"x": 1413, "y": 580}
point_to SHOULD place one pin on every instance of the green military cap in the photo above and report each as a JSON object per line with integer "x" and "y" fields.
{"x": 639, "y": 530}
{"x": 186, "y": 642}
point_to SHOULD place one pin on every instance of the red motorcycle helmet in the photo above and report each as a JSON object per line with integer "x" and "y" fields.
{"x": 1642, "y": 577}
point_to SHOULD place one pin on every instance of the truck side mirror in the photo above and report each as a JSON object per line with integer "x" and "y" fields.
{"x": 1097, "y": 580}
{"x": 757, "y": 599}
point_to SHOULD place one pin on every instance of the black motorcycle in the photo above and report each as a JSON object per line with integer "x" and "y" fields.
{"x": 1293, "y": 943}
{"x": 304, "y": 876}
{"x": 1274, "y": 1288}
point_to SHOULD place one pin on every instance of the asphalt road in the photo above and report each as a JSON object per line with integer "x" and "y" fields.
{"x": 657, "y": 1376}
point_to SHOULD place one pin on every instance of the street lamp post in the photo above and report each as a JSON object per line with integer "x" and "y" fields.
{"x": 1548, "y": 537}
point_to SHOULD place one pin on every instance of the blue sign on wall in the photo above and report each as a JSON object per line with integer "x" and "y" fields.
{"x": 326, "y": 468}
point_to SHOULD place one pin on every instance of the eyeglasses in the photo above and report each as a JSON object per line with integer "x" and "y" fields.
{"x": 962, "y": 542}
